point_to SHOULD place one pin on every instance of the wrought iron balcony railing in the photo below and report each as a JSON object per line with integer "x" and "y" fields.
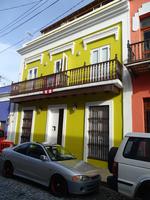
{"x": 139, "y": 51}
{"x": 103, "y": 71}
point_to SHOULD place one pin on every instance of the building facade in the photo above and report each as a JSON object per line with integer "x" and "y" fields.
{"x": 71, "y": 92}
{"x": 138, "y": 64}
{"x": 4, "y": 106}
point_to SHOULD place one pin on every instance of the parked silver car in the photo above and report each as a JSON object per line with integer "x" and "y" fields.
{"x": 52, "y": 166}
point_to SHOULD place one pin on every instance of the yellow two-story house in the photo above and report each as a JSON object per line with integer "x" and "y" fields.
{"x": 71, "y": 86}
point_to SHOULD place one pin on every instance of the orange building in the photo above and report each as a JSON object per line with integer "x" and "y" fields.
{"x": 138, "y": 64}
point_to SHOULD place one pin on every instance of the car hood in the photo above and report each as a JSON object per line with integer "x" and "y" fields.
{"x": 80, "y": 167}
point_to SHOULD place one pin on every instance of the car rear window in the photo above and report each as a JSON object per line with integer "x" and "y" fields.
{"x": 138, "y": 149}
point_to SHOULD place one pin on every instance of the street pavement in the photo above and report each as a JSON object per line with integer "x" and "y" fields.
{"x": 21, "y": 189}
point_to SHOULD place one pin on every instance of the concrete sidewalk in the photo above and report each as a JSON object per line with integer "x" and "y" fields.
{"x": 104, "y": 173}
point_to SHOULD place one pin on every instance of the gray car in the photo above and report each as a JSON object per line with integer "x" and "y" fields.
{"x": 52, "y": 166}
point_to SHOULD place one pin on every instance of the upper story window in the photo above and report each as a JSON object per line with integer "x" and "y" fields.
{"x": 145, "y": 22}
{"x": 145, "y": 28}
{"x": 58, "y": 66}
{"x": 32, "y": 73}
{"x": 61, "y": 64}
{"x": 101, "y": 68}
{"x": 101, "y": 54}
{"x": 147, "y": 35}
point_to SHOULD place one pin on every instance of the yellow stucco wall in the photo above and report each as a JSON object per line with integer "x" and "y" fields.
{"x": 75, "y": 126}
{"x": 74, "y": 141}
{"x": 80, "y": 56}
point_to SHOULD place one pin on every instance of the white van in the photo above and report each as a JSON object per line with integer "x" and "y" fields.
{"x": 131, "y": 166}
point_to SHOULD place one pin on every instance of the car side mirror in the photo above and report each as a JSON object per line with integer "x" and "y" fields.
{"x": 43, "y": 158}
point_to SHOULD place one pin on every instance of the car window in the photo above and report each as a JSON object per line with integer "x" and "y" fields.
{"x": 22, "y": 148}
{"x": 35, "y": 151}
{"x": 57, "y": 153}
{"x": 138, "y": 149}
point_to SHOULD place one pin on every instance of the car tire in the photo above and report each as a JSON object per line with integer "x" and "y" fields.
{"x": 111, "y": 156}
{"x": 58, "y": 186}
{"x": 7, "y": 170}
{"x": 144, "y": 192}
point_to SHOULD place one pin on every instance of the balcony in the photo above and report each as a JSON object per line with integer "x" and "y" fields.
{"x": 104, "y": 76}
{"x": 139, "y": 57}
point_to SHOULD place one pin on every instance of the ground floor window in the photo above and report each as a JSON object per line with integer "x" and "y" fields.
{"x": 147, "y": 114}
{"x": 26, "y": 126}
{"x": 98, "y": 132}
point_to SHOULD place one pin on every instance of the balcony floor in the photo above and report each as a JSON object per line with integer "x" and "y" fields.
{"x": 112, "y": 86}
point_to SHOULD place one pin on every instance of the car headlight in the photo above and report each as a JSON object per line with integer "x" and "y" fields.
{"x": 80, "y": 178}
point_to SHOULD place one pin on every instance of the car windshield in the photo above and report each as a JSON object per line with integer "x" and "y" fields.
{"x": 58, "y": 153}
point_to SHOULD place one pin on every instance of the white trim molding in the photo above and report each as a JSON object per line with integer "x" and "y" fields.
{"x": 127, "y": 101}
{"x": 33, "y": 58}
{"x": 111, "y": 123}
{"x": 100, "y": 35}
{"x": 33, "y": 122}
{"x": 145, "y": 8}
{"x": 135, "y": 22}
{"x": 91, "y": 22}
{"x": 13, "y": 119}
{"x": 69, "y": 46}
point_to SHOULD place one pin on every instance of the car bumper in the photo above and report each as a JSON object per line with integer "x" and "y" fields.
{"x": 83, "y": 187}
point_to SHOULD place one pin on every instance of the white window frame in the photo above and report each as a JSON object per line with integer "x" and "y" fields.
{"x": 111, "y": 124}
{"x": 105, "y": 68}
{"x": 97, "y": 49}
{"x": 62, "y": 63}
{"x": 32, "y": 69}
{"x": 103, "y": 47}
{"x": 33, "y": 122}
{"x": 100, "y": 53}
{"x": 56, "y": 61}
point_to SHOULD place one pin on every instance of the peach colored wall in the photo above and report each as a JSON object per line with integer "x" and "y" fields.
{"x": 141, "y": 89}
{"x": 141, "y": 84}
{"x": 134, "y": 6}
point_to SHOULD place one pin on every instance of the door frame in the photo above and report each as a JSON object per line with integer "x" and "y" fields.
{"x": 33, "y": 122}
{"x": 60, "y": 106}
{"x": 111, "y": 124}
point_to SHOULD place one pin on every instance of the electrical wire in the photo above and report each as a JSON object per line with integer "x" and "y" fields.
{"x": 22, "y": 16}
{"x": 13, "y": 45}
{"x": 22, "y": 40}
{"x": 18, "y": 26}
{"x": 11, "y": 8}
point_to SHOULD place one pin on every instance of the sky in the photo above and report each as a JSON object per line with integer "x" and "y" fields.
{"x": 22, "y": 20}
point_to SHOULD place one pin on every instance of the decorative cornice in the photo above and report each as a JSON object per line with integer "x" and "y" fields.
{"x": 100, "y": 35}
{"x": 144, "y": 9}
{"x": 33, "y": 58}
{"x": 79, "y": 25}
{"x": 62, "y": 48}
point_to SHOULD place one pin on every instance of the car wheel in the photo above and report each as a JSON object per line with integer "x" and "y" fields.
{"x": 7, "y": 170}
{"x": 145, "y": 192}
{"x": 58, "y": 186}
